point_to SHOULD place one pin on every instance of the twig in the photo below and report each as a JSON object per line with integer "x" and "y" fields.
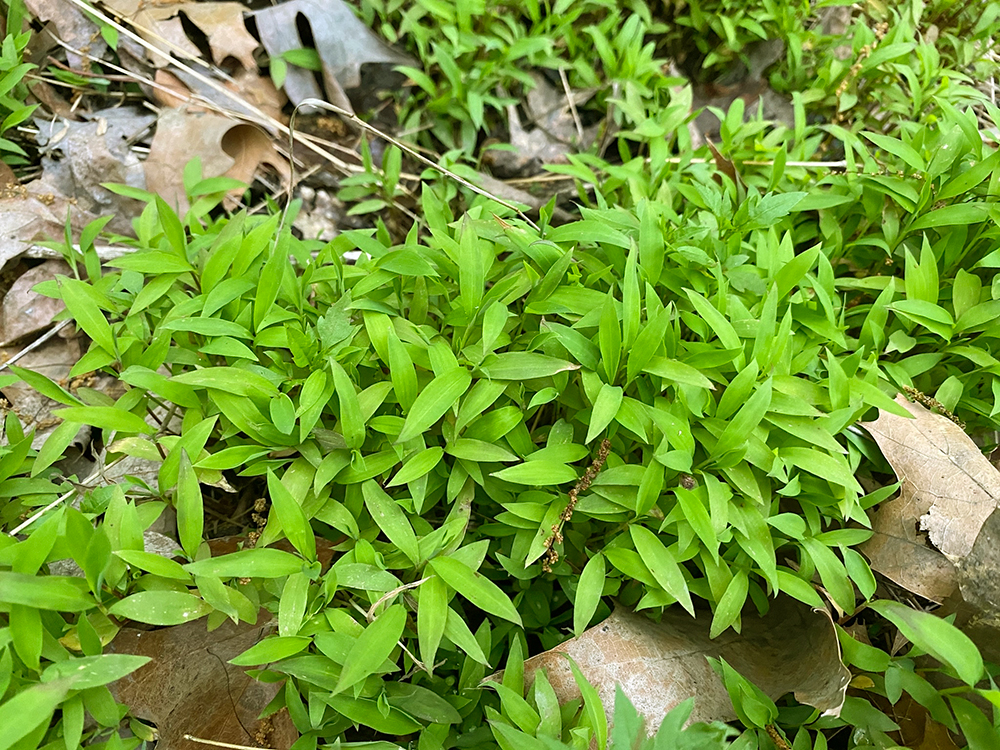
{"x": 370, "y": 614}
{"x": 416, "y": 155}
{"x": 572, "y": 107}
{"x": 551, "y": 556}
{"x": 37, "y": 342}
{"x": 216, "y": 743}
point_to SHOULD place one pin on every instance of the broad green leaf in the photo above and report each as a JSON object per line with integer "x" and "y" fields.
{"x": 59, "y": 593}
{"x": 158, "y": 565}
{"x": 432, "y": 616}
{"x": 475, "y": 587}
{"x": 190, "y": 509}
{"x": 292, "y": 605}
{"x": 479, "y": 450}
{"x": 248, "y": 563}
{"x": 606, "y": 405}
{"x": 417, "y": 466}
{"x": 832, "y": 572}
{"x": 29, "y": 709}
{"x": 662, "y": 565}
{"x": 105, "y": 417}
{"x": 458, "y": 633}
{"x": 727, "y": 611}
{"x": 437, "y": 397}
{"x": 610, "y": 338}
{"x": 589, "y": 589}
{"x": 936, "y": 636}
{"x": 292, "y": 518}
{"x": 372, "y": 647}
{"x": 271, "y": 649}
{"x": 94, "y": 671}
{"x": 161, "y": 607}
{"x": 523, "y": 366}
{"x": 391, "y": 519}
{"x": 234, "y": 380}
{"x": 676, "y": 372}
{"x": 352, "y": 423}
{"x": 80, "y": 299}
{"x": 746, "y": 419}
{"x": 538, "y": 473}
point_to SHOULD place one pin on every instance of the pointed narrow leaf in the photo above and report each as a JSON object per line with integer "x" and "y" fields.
{"x": 391, "y": 519}
{"x": 434, "y": 401}
{"x": 475, "y": 587}
{"x": 372, "y": 647}
{"x": 291, "y": 517}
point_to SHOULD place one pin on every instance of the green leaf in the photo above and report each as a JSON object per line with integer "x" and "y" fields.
{"x": 158, "y": 565}
{"x": 475, "y": 587}
{"x": 105, "y": 417}
{"x": 589, "y": 589}
{"x": 292, "y": 518}
{"x": 538, "y": 473}
{"x": 29, "y": 709}
{"x": 94, "y": 671}
{"x": 352, "y": 424}
{"x": 662, "y": 565}
{"x": 456, "y": 631}
{"x": 432, "y": 617}
{"x": 59, "y": 593}
{"x": 937, "y": 637}
{"x": 417, "y": 466}
{"x": 730, "y": 604}
{"x": 161, "y": 607}
{"x": 610, "y": 337}
{"x": 478, "y": 450}
{"x": 677, "y": 372}
{"x": 262, "y": 562}
{"x": 81, "y": 301}
{"x": 606, "y": 405}
{"x": 272, "y": 649}
{"x": 391, "y": 519}
{"x": 372, "y": 647}
{"x": 437, "y": 397}
{"x": 523, "y": 366}
{"x": 190, "y": 510}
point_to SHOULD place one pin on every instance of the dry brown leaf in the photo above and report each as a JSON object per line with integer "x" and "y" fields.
{"x": 225, "y": 147}
{"x": 949, "y": 489}
{"x": 54, "y": 359}
{"x": 659, "y": 664}
{"x": 24, "y": 311}
{"x": 79, "y": 157}
{"x": 160, "y": 25}
{"x": 344, "y": 43}
{"x": 73, "y": 27}
{"x": 33, "y": 212}
{"x": 189, "y": 687}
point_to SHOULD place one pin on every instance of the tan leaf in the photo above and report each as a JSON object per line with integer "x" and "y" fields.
{"x": 659, "y": 664}
{"x": 160, "y": 25}
{"x": 190, "y": 688}
{"x": 948, "y": 490}
{"x": 226, "y": 148}
{"x": 24, "y": 311}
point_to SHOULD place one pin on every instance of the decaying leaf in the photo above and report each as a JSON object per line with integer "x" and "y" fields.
{"x": 24, "y": 311}
{"x": 554, "y": 133}
{"x": 33, "y": 212}
{"x": 344, "y": 44}
{"x": 54, "y": 359}
{"x": 72, "y": 26}
{"x": 160, "y": 24}
{"x": 79, "y": 156}
{"x": 226, "y": 147}
{"x": 189, "y": 687}
{"x": 659, "y": 664}
{"x": 949, "y": 489}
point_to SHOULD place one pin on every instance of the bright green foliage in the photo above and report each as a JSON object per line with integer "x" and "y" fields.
{"x": 13, "y": 110}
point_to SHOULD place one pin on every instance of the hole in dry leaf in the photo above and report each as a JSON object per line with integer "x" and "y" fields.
{"x": 197, "y": 37}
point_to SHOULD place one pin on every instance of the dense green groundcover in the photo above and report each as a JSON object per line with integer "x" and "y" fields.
{"x": 711, "y": 329}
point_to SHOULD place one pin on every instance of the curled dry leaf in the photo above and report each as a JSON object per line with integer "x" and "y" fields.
{"x": 226, "y": 147}
{"x": 344, "y": 44}
{"x": 793, "y": 648}
{"x": 24, "y": 311}
{"x": 949, "y": 489}
{"x": 160, "y": 24}
{"x": 190, "y": 688}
